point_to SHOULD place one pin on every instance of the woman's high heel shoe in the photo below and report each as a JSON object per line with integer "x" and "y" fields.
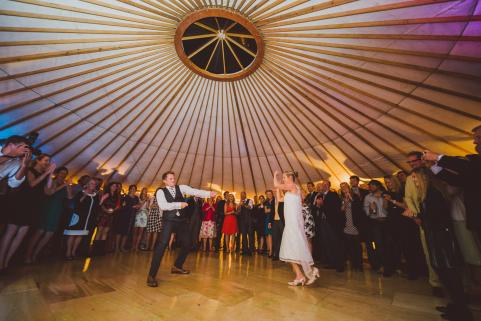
{"x": 297, "y": 282}
{"x": 314, "y": 275}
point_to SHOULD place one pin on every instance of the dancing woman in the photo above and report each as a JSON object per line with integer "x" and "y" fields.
{"x": 294, "y": 245}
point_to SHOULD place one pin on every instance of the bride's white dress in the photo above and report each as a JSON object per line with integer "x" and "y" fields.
{"x": 294, "y": 246}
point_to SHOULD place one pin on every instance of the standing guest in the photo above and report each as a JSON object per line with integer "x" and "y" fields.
{"x": 230, "y": 229}
{"x": 332, "y": 225}
{"x": 83, "y": 218}
{"x": 246, "y": 224}
{"x": 154, "y": 223}
{"x": 260, "y": 224}
{"x": 309, "y": 225}
{"x": 140, "y": 219}
{"x": 207, "y": 230}
{"x": 123, "y": 221}
{"x": 269, "y": 206}
{"x": 415, "y": 161}
{"x": 15, "y": 156}
{"x": 58, "y": 190}
{"x": 442, "y": 248}
{"x": 464, "y": 172}
{"x": 360, "y": 192}
{"x": 219, "y": 222}
{"x": 171, "y": 201}
{"x": 311, "y": 194}
{"x": 110, "y": 204}
{"x": 352, "y": 207}
{"x": 375, "y": 207}
{"x": 294, "y": 246}
{"x": 23, "y": 207}
{"x": 316, "y": 211}
{"x": 404, "y": 231}
{"x": 195, "y": 220}
{"x": 277, "y": 224}
{"x": 402, "y": 176}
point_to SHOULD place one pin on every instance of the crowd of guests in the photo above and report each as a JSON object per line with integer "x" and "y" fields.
{"x": 423, "y": 222}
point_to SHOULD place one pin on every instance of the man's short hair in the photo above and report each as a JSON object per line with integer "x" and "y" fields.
{"x": 476, "y": 128}
{"x": 164, "y": 176}
{"x": 310, "y": 183}
{"x": 269, "y": 191}
{"x": 376, "y": 183}
{"x": 418, "y": 154}
{"x": 16, "y": 140}
{"x": 355, "y": 177}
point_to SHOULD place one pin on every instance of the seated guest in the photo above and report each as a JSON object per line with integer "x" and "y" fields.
{"x": 58, "y": 190}
{"x": 23, "y": 207}
{"x": 83, "y": 218}
{"x": 375, "y": 207}
{"x": 442, "y": 247}
{"x": 352, "y": 208}
{"x": 207, "y": 230}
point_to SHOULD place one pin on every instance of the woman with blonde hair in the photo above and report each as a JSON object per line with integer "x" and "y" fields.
{"x": 294, "y": 244}
{"x": 443, "y": 251}
{"x": 229, "y": 228}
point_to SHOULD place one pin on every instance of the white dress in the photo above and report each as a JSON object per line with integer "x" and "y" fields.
{"x": 294, "y": 245}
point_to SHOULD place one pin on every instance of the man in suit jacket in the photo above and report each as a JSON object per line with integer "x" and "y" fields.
{"x": 331, "y": 226}
{"x": 464, "y": 172}
{"x": 310, "y": 197}
{"x": 219, "y": 221}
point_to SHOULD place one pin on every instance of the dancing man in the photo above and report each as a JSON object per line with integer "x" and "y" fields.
{"x": 171, "y": 201}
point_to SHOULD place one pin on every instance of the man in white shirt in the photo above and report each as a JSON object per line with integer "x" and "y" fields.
{"x": 172, "y": 203}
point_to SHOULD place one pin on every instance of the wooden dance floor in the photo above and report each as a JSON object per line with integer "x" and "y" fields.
{"x": 221, "y": 287}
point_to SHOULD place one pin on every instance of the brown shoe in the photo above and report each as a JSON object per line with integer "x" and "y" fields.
{"x": 176, "y": 270}
{"x": 152, "y": 282}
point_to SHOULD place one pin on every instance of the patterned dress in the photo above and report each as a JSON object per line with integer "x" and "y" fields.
{"x": 154, "y": 221}
{"x": 309, "y": 225}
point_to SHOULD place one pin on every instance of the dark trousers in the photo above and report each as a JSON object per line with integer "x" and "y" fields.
{"x": 194, "y": 226}
{"x": 218, "y": 237}
{"x": 247, "y": 231}
{"x": 378, "y": 246}
{"x": 329, "y": 238}
{"x": 353, "y": 250}
{"x": 277, "y": 230}
{"x": 181, "y": 228}
{"x": 452, "y": 282}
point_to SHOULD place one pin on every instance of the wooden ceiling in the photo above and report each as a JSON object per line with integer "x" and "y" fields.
{"x": 344, "y": 87}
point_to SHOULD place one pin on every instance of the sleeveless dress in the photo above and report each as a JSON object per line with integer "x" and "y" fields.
{"x": 154, "y": 220}
{"x": 230, "y": 223}
{"x": 294, "y": 245}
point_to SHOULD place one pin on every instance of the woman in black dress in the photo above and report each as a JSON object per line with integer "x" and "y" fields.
{"x": 124, "y": 220}
{"x": 23, "y": 207}
{"x": 110, "y": 204}
{"x": 82, "y": 221}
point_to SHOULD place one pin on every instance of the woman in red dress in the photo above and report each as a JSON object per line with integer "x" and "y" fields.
{"x": 230, "y": 221}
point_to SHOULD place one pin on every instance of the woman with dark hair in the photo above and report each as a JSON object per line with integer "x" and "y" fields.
{"x": 140, "y": 218}
{"x": 260, "y": 224}
{"x": 58, "y": 190}
{"x": 207, "y": 230}
{"x": 23, "y": 207}
{"x": 82, "y": 220}
{"x": 443, "y": 251}
{"x": 123, "y": 221}
{"x": 109, "y": 207}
